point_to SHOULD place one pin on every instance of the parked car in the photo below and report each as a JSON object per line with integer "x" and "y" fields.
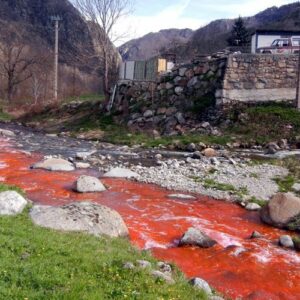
{"x": 282, "y": 46}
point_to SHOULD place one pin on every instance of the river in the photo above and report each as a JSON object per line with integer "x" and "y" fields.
{"x": 238, "y": 267}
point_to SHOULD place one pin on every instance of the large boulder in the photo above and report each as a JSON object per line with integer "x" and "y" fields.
{"x": 121, "y": 173}
{"x": 282, "y": 211}
{"x": 54, "y": 164}
{"x": 195, "y": 237}
{"x": 86, "y": 217}
{"x": 11, "y": 203}
{"x": 5, "y": 132}
{"x": 89, "y": 184}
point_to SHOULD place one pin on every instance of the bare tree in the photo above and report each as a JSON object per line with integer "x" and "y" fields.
{"x": 102, "y": 16}
{"x": 15, "y": 61}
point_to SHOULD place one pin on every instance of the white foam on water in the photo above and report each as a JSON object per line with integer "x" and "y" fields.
{"x": 263, "y": 256}
{"x": 3, "y": 165}
{"x": 224, "y": 239}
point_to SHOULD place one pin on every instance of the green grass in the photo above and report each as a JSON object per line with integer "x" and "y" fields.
{"x": 38, "y": 263}
{"x": 209, "y": 183}
{"x": 260, "y": 202}
{"x": 285, "y": 184}
{"x": 5, "y": 187}
{"x": 84, "y": 98}
{"x": 4, "y": 116}
{"x": 266, "y": 123}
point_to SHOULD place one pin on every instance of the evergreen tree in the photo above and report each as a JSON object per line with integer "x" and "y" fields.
{"x": 239, "y": 34}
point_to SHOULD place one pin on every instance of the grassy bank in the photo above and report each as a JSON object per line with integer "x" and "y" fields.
{"x": 37, "y": 263}
{"x": 265, "y": 123}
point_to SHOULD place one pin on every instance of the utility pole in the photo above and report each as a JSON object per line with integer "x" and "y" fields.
{"x": 56, "y": 19}
{"x": 297, "y": 101}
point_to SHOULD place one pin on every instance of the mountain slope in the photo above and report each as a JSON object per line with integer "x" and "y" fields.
{"x": 151, "y": 44}
{"x": 34, "y": 18}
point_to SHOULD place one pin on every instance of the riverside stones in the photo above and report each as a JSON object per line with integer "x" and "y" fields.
{"x": 86, "y": 217}
{"x": 164, "y": 276}
{"x": 54, "y": 164}
{"x": 121, "y": 173}
{"x": 11, "y": 203}
{"x": 209, "y": 152}
{"x": 194, "y": 237}
{"x": 201, "y": 284}
{"x": 253, "y": 206}
{"x": 181, "y": 196}
{"x": 286, "y": 241}
{"x": 282, "y": 211}
{"x": 8, "y": 133}
{"x": 89, "y": 184}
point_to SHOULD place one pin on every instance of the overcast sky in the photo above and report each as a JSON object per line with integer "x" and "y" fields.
{"x": 154, "y": 15}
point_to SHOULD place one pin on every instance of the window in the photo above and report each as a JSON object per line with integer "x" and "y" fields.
{"x": 296, "y": 42}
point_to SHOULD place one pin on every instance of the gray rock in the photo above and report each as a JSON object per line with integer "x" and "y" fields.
{"x": 158, "y": 156}
{"x": 144, "y": 264}
{"x": 253, "y": 206}
{"x": 163, "y": 267}
{"x": 191, "y": 147}
{"x": 11, "y": 203}
{"x": 197, "y": 155}
{"x": 148, "y": 113}
{"x": 7, "y": 133}
{"x": 181, "y": 196}
{"x": 86, "y": 217}
{"x": 286, "y": 241}
{"x": 169, "y": 85}
{"x": 178, "y": 90}
{"x": 180, "y": 118}
{"x": 194, "y": 237}
{"x": 192, "y": 82}
{"x": 82, "y": 165}
{"x": 83, "y": 155}
{"x": 54, "y": 164}
{"x": 296, "y": 187}
{"x": 121, "y": 173}
{"x": 281, "y": 210}
{"x": 201, "y": 284}
{"x": 128, "y": 266}
{"x": 182, "y": 71}
{"x": 164, "y": 276}
{"x": 89, "y": 184}
{"x": 256, "y": 235}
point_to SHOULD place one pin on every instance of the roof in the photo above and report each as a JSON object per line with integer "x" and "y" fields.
{"x": 276, "y": 32}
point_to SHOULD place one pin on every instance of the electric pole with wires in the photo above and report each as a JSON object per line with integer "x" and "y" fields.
{"x": 56, "y": 19}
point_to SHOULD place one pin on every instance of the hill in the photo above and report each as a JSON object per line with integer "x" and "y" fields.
{"x": 151, "y": 44}
{"x": 212, "y": 37}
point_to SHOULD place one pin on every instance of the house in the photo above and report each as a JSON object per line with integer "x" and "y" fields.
{"x": 265, "y": 38}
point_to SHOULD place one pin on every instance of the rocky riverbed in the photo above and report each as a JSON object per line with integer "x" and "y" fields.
{"x": 217, "y": 173}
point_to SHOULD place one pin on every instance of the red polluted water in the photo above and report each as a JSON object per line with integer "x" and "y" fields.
{"x": 238, "y": 267}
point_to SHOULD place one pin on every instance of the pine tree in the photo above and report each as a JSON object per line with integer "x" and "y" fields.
{"x": 239, "y": 34}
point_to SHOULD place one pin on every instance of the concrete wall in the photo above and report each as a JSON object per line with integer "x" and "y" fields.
{"x": 259, "y": 78}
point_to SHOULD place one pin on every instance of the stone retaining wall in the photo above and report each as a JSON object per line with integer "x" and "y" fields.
{"x": 173, "y": 103}
{"x": 259, "y": 78}
{"x": 176, "y": 102}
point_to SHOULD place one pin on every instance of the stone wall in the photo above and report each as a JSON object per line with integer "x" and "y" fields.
{"x": 178, "y": 101}
{"x": 172, "y": 104}
{"x": 259, "y": 78}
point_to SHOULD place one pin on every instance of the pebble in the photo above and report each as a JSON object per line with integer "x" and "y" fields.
{"x": 286, "y": 241}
